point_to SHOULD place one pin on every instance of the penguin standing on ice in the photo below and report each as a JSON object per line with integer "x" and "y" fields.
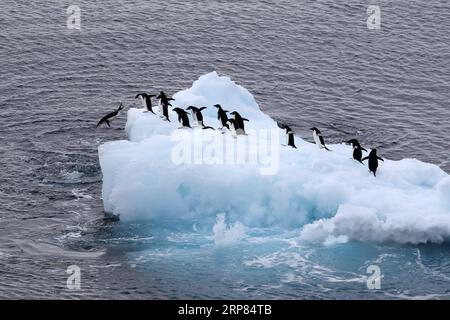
{"x": 197, "y": 116}
{"x": 110, "y": 115}
{"x": 233, "y": 127}
{"x": 146, "y": 101}
{"x": 182, "y": 117}
{"x": 290, "y": 137}
{"x": 239, "y": 120}
{"x": 164, "y": 103}
{"x": 357, "y": 149}
{"x": 221, "y": 115}
{"x": 318, "y": 139}
{"x": 373, "y": 161}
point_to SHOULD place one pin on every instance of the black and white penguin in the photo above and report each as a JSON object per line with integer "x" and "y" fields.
{"x": 357, "y": 149}
{"x": 373, "y": 161}
{"x": 110, "y": 116}
{"x": 146, "y": 101}
{"x": 233, "y": 127}
{"x": 221, "y": 115}
{"x": 197, "y": 116}
{"x": 290, "y": 137}
{"x": 318, "y": 139}
{"x": 164, "y": 103}
{"x": 182, "y": 118}
{"x": 239, "y": 120}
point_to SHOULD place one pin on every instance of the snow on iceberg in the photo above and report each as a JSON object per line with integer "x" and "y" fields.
{"x": 326, "y": 194}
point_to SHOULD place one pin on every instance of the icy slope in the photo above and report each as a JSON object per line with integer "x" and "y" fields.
{"x": 325, "y": 194}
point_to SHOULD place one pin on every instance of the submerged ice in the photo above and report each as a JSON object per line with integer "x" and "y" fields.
{"x": 165, "y": 172}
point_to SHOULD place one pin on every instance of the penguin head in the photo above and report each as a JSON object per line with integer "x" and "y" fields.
{"x": 353, "y": 142}
{"x": 120, "y": 106}
{"x": 373, "y": 152}
{"x": 288, "y": 129}
{"x": 315, "y": 129}
{"x": 191, "y": 108}
{"x": 218, "y": 106}
{"x": 235, "y": 114}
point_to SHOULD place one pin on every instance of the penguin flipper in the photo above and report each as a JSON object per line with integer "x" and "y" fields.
{"x": 379, "y": 158}
{"x": 204, "y": 127}
{"x": 107, "y": 122}
{"x": 325, "y": 147}
{"x": 202, "y": 108}
{"x": 365, "y": 158}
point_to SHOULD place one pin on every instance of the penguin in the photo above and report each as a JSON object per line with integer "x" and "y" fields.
{"x": 318, "y": 139}
{"x": 357, "y": 149}
{"x": 239, "y": 120}
{"x": 146, "y": 101}
{"x": 232, "y": 126}
{"x": 182, "y": 117}
{"x": 110, "y": 115}
{"x": 290, "y": 137}
{"x": 373, "y": 161}
{"x": 164, "y": 104}
{"x": 198, "y": 117}
{"x": 194, "y": 111}
{"x": 221, "y": 115}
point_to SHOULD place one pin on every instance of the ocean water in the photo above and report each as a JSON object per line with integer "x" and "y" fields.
{"x": 312, "y": 62}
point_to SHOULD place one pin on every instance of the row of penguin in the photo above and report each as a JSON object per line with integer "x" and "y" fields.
{"x": 234, "y": 124}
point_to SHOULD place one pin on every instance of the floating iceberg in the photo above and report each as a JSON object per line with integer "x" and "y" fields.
{"x": 165, "y": 172}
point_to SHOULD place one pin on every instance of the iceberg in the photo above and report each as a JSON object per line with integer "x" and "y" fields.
{"x": 162, "y": 172}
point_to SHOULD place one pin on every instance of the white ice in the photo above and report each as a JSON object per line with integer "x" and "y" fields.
{"x": 326, "y": 195}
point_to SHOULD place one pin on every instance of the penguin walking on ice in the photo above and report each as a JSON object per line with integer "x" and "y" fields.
{"x": 146, "y": 101}
{"x": 221, "y": 115}
{"x": 234, "y": 128}
{"x": 197, "y": 116}
{"x": 182, "y": 118}
{"x": 373, "y": 161}
{"x": 110, "y": 116}
{"x": 239, "y": 120}
{"x": 318, "y": 138}
{"x": 357, "y": 149}
{"x": 164, "y": 103}
{"x": 290, "y": 137}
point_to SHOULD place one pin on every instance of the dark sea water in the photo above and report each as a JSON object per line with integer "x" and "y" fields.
{"x": 306, "y": 62}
